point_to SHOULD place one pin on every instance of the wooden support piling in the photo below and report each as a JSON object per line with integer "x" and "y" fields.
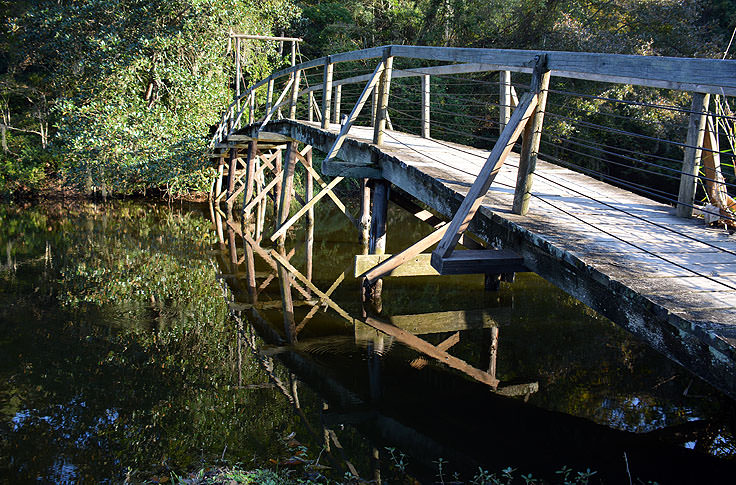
{"x": 233, "y": 165}
{"x": 377, "y": 245}
{"x": 287, "y": 187}
{"x": 308, "y": 194}
{"x": 220, "y": 174}
{"x": 250, "y": 167}
{"x": 693, "y": 154}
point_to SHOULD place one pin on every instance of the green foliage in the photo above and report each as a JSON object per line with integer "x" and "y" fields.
{"x": 136, "y": 84}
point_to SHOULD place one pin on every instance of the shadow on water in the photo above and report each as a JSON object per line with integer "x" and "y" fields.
{"x": 134, "y": 341}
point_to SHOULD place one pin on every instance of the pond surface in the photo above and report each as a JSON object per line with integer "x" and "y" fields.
{"x": 130, "y": 348}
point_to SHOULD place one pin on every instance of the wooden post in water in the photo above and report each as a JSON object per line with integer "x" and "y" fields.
{"x": 326, "y": 92}
{"x": 338, "y": 98}
{"x": 693, "y": 153}
{"x": 531, "y": 139}
{"x": 425, "y": 105}
{"x": 378, "y": 234}
{"x": 233, "y": 161}
{"x": 250, "y": 167}
{"x": 287, "y": 186}
{"x": 278, "y": 165}
{"x": 220, "y": 175}
{"x": 308, "y": 194}
{"x": 283, "y": 214}
{"x": 504, "y": 99}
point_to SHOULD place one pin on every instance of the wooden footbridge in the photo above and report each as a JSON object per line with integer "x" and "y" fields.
{"x": 623, "y": 248}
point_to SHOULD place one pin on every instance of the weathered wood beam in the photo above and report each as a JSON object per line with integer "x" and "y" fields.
{"x": 401, "y": 335}
{"x": 327, "y": 92}
{"x": 420, "y": 362}
{"x": 345, "y": 128}
{"x": 278, "y": 103}
{"x": 286, "y": 225}
{"x": 383, "y": 94}
{"x": 487, "y": 174}
{"x": 504, "y": 99}
{"x": 530, "y": 144}
{"x": 425, "y": 105}
{"x": 419, "y": 265}
{"x": 413, "y": 251}
{"x": 691, "y": 161}
{"x": 294, "y": 94}
{"x": 485, "y": 261}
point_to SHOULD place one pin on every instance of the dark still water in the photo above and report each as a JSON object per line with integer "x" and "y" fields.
{"x": 134, "y": 343}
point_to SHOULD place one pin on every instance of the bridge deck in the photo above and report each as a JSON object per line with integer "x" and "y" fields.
{"x": 624, "y": 255}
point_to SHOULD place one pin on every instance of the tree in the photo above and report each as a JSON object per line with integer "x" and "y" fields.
{"x": 133, "y": 85}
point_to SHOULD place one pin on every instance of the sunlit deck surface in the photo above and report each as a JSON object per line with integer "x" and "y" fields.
{"x": 667, "y": 279}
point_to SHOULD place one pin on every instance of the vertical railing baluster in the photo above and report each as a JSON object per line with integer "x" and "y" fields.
{"x": 504, "y": 99}
{"x": 425, "y": 105}
{"x": 338, "y": 98}
{"x": 327, "y": 92}
{"x": 294, "y": 95}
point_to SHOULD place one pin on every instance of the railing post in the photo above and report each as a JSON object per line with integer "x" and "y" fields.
{"x": 237, "y": 71}
{"x": 425, "y": 106}
{"x": 374, "y": 105}
{"x": 530, "y": 141}
{"x": 294, "y": 94}
{"x": 504, "y": 99}
{"x": 693, "y": 153}
{"x": 383, "y": 90}
{"x": 269, "y": 95}
{"x": 310, "y": 111}
{"x": 252, "y": 108}
{"x": 327, "y": 92}
{"x": 338, "y": 98}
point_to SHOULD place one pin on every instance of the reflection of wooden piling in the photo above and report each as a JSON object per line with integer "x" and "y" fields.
{"x": 287, "y": 303}
{"x": 493, "y": 351}
{"x": 250, "y": 270}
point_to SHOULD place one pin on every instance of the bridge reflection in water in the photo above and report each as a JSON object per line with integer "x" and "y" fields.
{"x": 421, "y": 369}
